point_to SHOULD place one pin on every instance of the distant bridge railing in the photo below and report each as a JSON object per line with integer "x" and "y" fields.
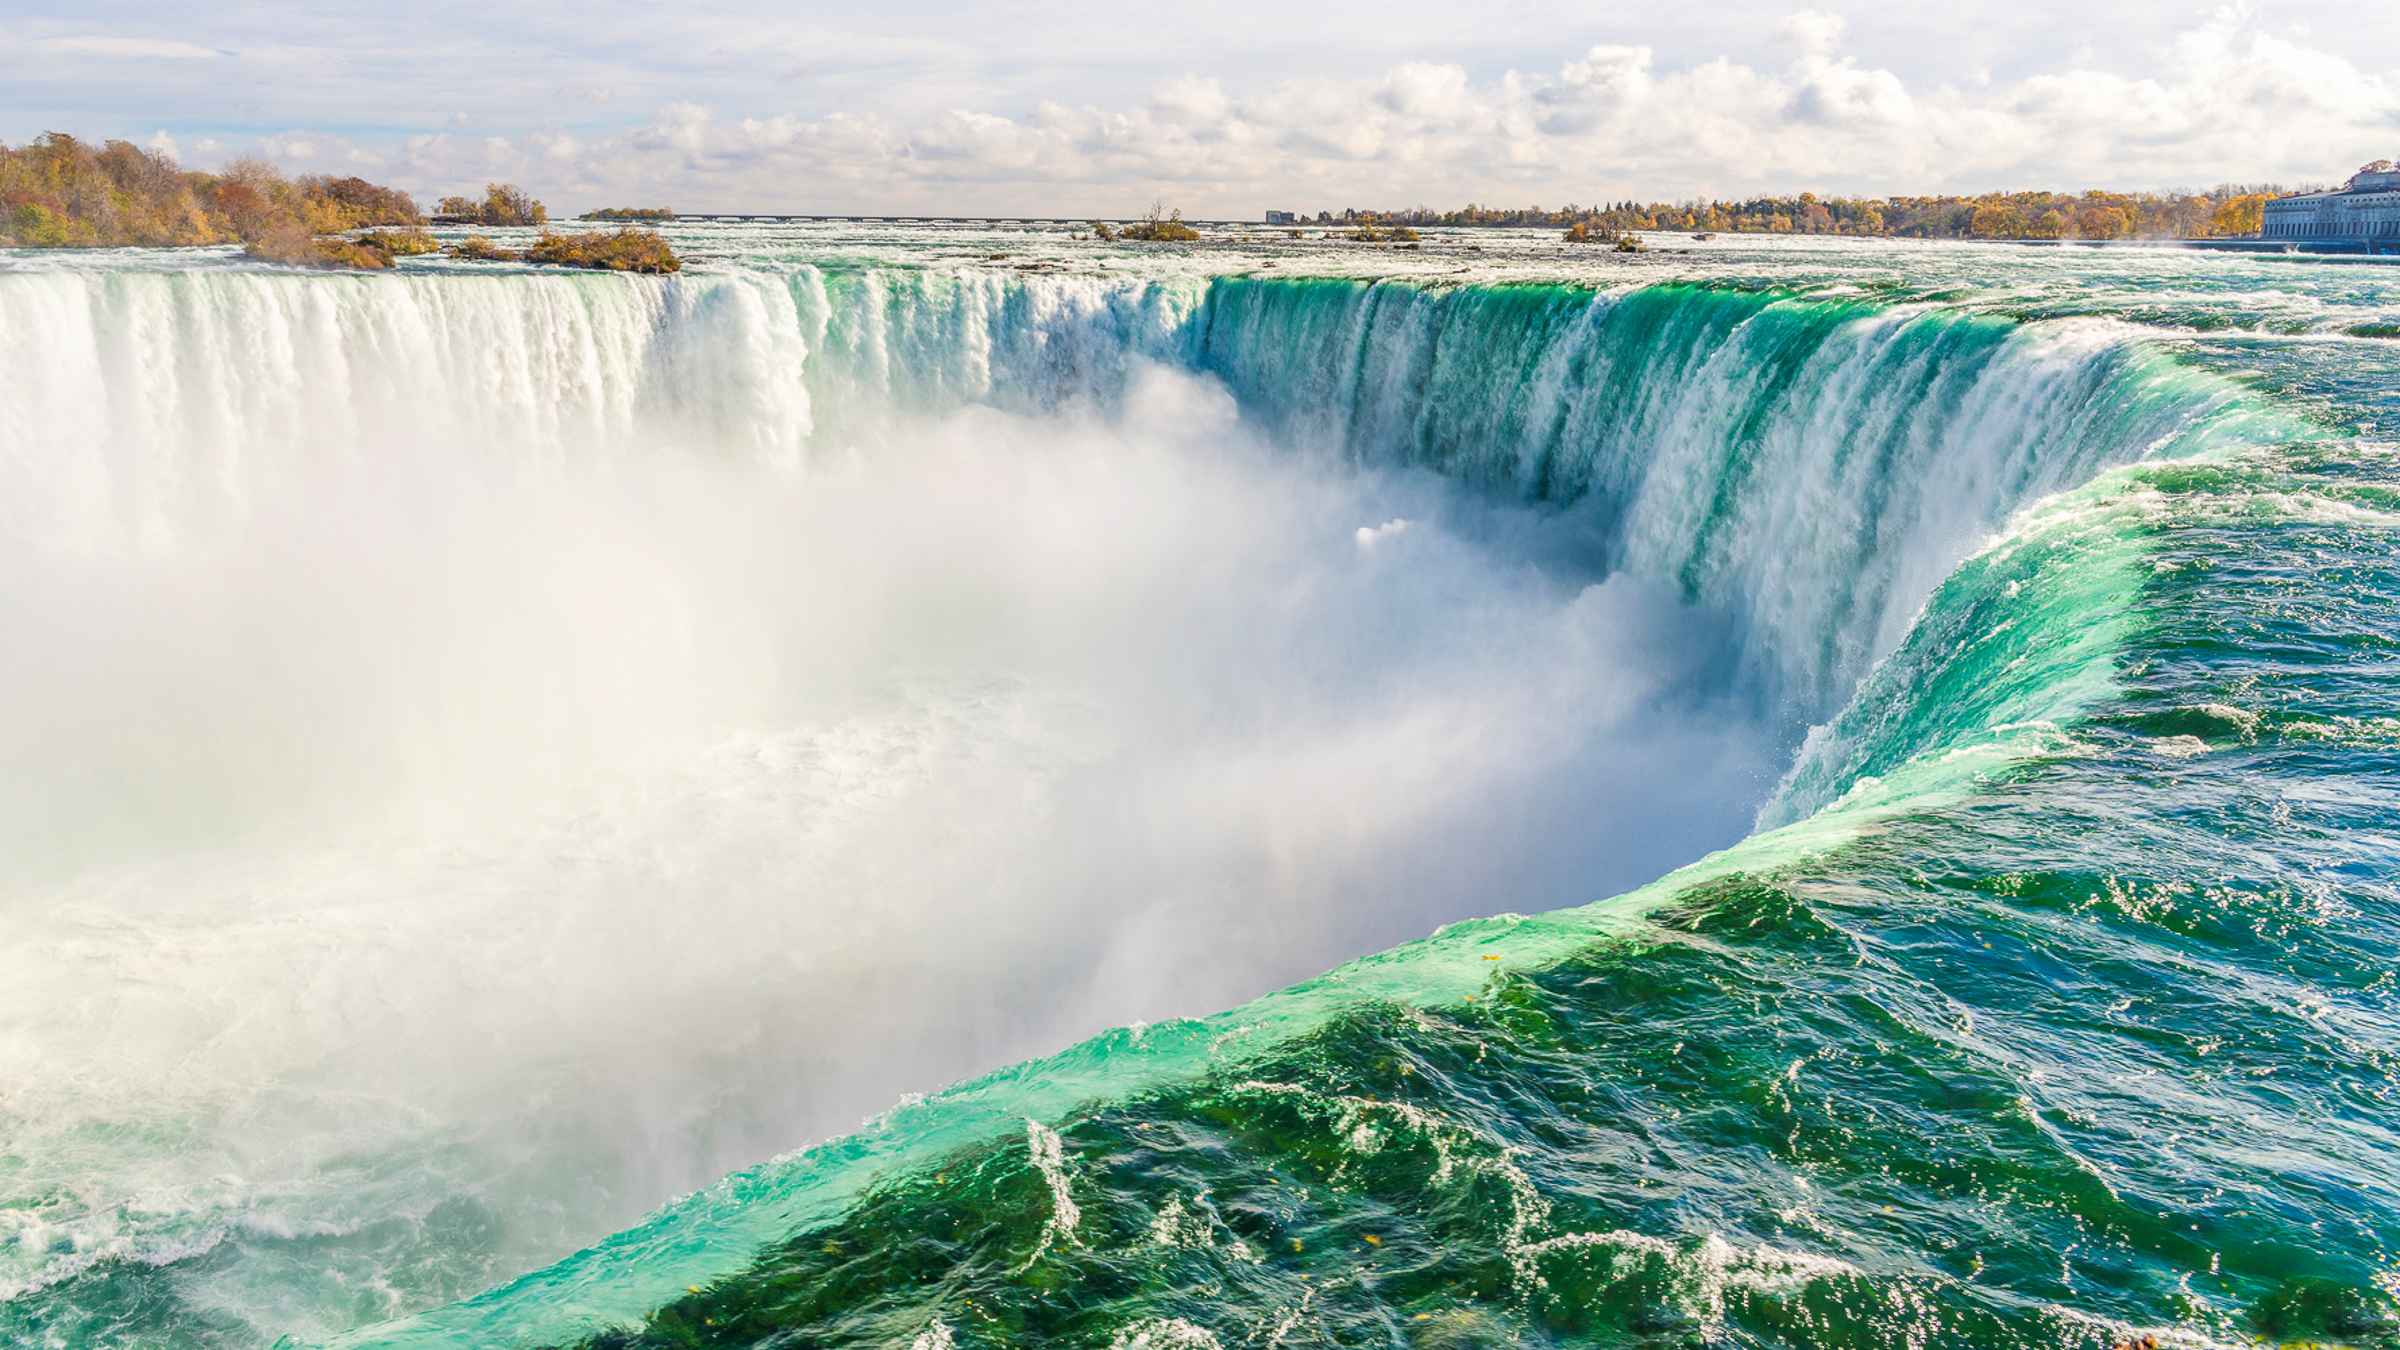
{"x": 771, "y": 218}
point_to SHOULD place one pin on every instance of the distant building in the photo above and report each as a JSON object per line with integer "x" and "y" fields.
{"x": 2364, "y": 210}
{"x": 1282, "y": 218}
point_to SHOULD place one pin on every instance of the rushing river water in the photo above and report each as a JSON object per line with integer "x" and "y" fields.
{"x": 1897, "y": 749}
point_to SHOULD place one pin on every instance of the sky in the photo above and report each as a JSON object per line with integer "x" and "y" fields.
{"x": 1042, "y": 107}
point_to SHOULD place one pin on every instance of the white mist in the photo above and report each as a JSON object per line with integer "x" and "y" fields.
{"x": 426, "y": 853}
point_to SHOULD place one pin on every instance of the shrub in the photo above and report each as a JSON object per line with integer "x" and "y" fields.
{"x": 1103, "y": 231}
{"x": 630, "y": 213}
{"x": 346, "y": 253}
{"x": 626, "y": 250}
{"x": 290, "y": 243}
{"x": 401, "y": 243}
{"x": 476, "y": 248}
{"x": 37, "y": 226}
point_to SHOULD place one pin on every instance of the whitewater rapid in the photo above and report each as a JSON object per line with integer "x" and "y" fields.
{"x": 495, "y": 753}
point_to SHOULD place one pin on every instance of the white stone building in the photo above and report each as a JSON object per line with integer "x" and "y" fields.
{"x": 2364, "y": 210}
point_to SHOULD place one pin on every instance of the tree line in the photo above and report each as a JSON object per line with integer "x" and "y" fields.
{"x": 60, "y": 192}
{"x": 2228, "y": 211}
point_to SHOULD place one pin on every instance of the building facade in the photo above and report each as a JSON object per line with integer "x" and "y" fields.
{"x": 2364, "y": 210}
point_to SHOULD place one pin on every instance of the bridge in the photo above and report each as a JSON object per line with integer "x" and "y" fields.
{"x": 769, "y": 218}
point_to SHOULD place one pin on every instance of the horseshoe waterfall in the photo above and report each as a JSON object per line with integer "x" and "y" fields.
{"x": 938, "y": 787}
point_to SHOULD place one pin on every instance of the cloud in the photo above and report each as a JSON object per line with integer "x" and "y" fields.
{"x": 680, "y": 126}
{"x": 1832, "y": 89}
{"x": 1190, "y": 100}
{"x": 2225, "y": 99}
{"x": 128, "y": 48}
{"x": 1589, "y": 92}
{"x": 1428, "y": 92}
{"x": 1814, "y": 32}
{"x": 1816, "y": 103}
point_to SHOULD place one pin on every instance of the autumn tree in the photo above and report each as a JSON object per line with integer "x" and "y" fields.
{"x": 508, "y": 204}
{"x": 2243, "y": 215}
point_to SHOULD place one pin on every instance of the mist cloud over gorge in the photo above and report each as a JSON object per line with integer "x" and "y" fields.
{"x": 622, "y": 827}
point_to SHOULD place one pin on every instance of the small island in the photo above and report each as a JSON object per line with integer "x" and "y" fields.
{"x": 502, "y": 204}
{"x": 630, "y": 213}
{"x": 623, "y": 250}
{"x": 1581, "y": 232}
{"x": 1158, "y": 226}
{"x": 58, "y": 191}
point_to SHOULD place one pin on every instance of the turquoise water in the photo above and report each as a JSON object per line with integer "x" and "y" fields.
{"x": 2050, "y": 1002}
